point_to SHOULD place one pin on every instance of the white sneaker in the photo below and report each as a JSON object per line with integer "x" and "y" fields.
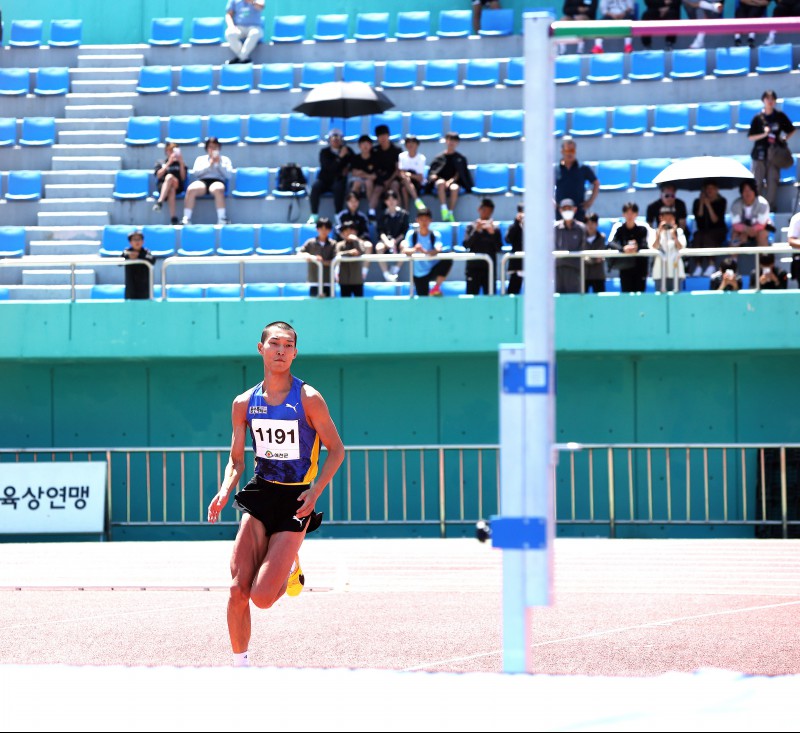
{"x": 697, "y": 272}
{"x": 389, "y": 277}
{"x": 222, "y": 221}
{"x": 709, "y": 271}
{"x": 185, "y": 221}
{"x": 770, "y": 39}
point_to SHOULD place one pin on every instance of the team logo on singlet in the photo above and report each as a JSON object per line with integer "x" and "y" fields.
{"x": 275, "y": 454}
{"x": 292, "y": 407}
{"x": 258, "y": 409}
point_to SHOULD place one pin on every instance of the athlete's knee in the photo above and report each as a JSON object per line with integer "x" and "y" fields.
{"x": 238, "y": 593}
{"x": 262, "y": 600}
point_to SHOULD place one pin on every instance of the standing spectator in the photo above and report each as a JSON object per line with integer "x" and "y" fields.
{"x": 477, "y": 11}
{"x": 577, "y": 10}
{"x": 334, "y": 165}
{"x": 244, "y": 28}
{"x": 661, "y": 10}
{"x": 321, "y": 248}
{"x": 702, "y": 10}
{"x": 515, "y": 236}
{"x": 595, "y": 267}
{"x": 170, "y": 179}
{"x": 768, "y": 128}
{"x": 448, "y": 174}
{"x": 670, "y": 239}
{"x": 616, "y": 10}
{"x": 422, "y": 240}
{"x": 793, "y": 238}
{"x": 750, "y": 217}
{"x": 770, "y": 277}
{"x": 710, "y": 230}
{"x": 393, "y": 224}
{"x": 211, "y": 173}
{"x": 570, "y": 236}
{"x": 351, "y": 210}
{"x": 137, "y": 277}
{"x": 351, "y": 277}
{"x": 571, "y": 179}
{"x": 362, "y": 169}
{"x": 482, "y": 236}
{"x": 385, "y": 155}
{"x": 748, "y": 9}
{"x": 630, "y": 236}
{"x": 411, "y": 165}
{"x": 668, "y": 197}
{"x": 726, "y": 278}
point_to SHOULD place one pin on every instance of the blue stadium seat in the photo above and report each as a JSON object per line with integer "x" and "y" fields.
{"x": 371, "y": 26}
{"x": 288, "y": 29}
{"x": 446, "y": 230}
{"x": 614, "y": 175}
{"x": 261, "y": 290}
{"x": 155, "y": 80}
{"x": 712, "y": 117}
{"x": 251, "y": 182}
{"x": 184, "y": 129}
{"x": 195, "y": 78}
{"x": 197, "y": 240}
{"x": 228, "y": 128}
{"x": 490, "y": 178}
{"x": 108, "y": 291}
{"x": 131, "y": 185}
{"x": 143, "y": 131}
{"x": 606, "y": 67}
{"x": 647, "y": 65}
{"x": 114, "y": 239}
{"x": 559, "y": 122}
{"x": 25, "y": 33}
{"x": 24, "y": 185}
{"x": 331, "y": 27}
{"x": 733, "y": 61}
{"x": 276, "y": 76}
{"x": 481, "y": 73}
{"x": 359, "y": 71}
{"x": 605, "y": 224}
{"x": 647, "y": 169}
{"x": 350, "y": 127}
{"x": 302, "y": 129}
{"x": 568, "y": 69}
{"x": 399, "y": 74}
{"x": 235, "y": 78}
{"x": 166, "y": 32}
{"x": 670, "y": 118}
{"x": 263, "y": 127}
{"x": 52, "y": 81}
{"x": 629, "y": 119}
{"x": 38, "y": 131}
{"x": 412, "y": 24}
{"x": 791, "y": 108}
{"x": 689, "y": 63}
{"x": 507, "y": 124}
{"x": 380, "y": 290}
{"x": 66, "y": 33}
{"x": 497, "y": 22}
{"x": 518, "y": 180}
{"x": 224, "y": 291}
{"x": 745, "y": 111}
{"x": 588, "y": 121}
{"x": 296, "y": 290}
{"x": 454, "y": 23}
{"x": 469, "y": 124}
{"x": 184, "y": 291}
{"x": 775, "y": 59}
{"x": 160, "y": 239}
{"x": 306, "y": 232}
{"x": 207, "y": 31}
{"x": 314, "y": 73}
{"x": 392, "y": 119}
{"x": 14, "y": 81}
{"x": 515, "y": 72}
{"x": 439, "y": 73}
{"x": 8, "y": 131}
{"x": 426, "y": 125}
{"x": 237, "y": 240}
{"x": 276, "y": 239}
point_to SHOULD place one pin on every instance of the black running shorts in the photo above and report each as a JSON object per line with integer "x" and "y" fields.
{"x": 274, "y": 505}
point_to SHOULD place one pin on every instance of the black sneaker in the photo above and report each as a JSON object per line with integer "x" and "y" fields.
{"x": 174, "y": 220}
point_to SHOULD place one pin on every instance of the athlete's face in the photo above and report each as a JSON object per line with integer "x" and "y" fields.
{"x": 278, "y": 350}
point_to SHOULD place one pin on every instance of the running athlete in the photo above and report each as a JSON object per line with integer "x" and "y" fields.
{"x": 287, "y": 420}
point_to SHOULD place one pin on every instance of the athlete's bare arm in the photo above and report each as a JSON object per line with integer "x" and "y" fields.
{"x": 319, "y": 417}
{"x": 235, "y": 467}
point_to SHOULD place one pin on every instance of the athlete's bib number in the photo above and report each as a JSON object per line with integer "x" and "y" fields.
{"x": 278, "y": 440}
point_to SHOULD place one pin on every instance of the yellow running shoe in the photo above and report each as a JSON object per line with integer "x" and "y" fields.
{"x": 294, "y": 586}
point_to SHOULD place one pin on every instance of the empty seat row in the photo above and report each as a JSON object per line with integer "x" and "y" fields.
{"x": 47, "y": 81}
{"x": 30, "y": 33}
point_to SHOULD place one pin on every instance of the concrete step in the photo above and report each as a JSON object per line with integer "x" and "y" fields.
{"x": 57, "y": 276}
{"x": 73, "y": 218}
{"x": 76, "y": 179}
{"x": 63, "y": 191}
{"x": 103, "y": 86}
{"x": 91, "y": 109}
{"x": 66, "y": 248}
{"x": 83, "y": 124}
{"x": 91, "y": 138}
{"x": 57, "y": 233}
{"x": 117, "y": 60}
{"x": 107, "y": 99}
{"x": 48, "y": 292}
{"x": 81, "y": 204}
{"x": 98, "y": 148}
{"x": 110, "y": 74}
{"x": 86, "y": 162}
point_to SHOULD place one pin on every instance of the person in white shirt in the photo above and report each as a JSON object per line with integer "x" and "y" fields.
{"x": 750, "y": 222}
{"x": 670, "y": 239}
{"x": 411, "y": 164}
{"x": 211, "y": 173}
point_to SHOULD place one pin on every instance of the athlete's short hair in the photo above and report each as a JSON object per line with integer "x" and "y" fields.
{"x": 278, "y": 324}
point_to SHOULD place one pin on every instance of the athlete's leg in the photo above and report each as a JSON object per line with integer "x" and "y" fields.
{"x": 249, "y": 550}
{"x": 270, "y": 580}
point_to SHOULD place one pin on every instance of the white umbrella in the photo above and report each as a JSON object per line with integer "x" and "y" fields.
{"x": 691, "y": 173}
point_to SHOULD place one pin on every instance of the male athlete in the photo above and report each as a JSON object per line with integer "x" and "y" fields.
{"x": 287, "y": 420}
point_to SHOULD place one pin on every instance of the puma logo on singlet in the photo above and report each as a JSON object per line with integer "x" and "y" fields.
{"x": 293, "y": 407}
{"x": 298, "y": 520}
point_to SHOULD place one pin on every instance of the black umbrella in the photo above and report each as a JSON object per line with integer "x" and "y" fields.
{"x": 691, "y": 173}
{"x": 344, "y": 99}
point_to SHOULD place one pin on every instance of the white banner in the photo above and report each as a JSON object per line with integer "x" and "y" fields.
{"x": 44, "y": 498}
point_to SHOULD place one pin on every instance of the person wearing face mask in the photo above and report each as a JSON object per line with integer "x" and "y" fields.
{"x": 570, "y": 236}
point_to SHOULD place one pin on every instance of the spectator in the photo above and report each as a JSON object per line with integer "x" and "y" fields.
{"x": 170, "y": 179}
{"x": 322, "y": 249}
{"x": 137, "y": 277}
{"x": 211, "y": 173}
{"x": 515, "y": 237}
{"x": 668, "y": 197}
{"x": 362, "y": 169}
{"x": 571, "y": 179}
{"x": 570, "y": 236}
{"x": 393, "y": 224}
{"x": 594, "y": 267}
{"x": 244, "y": 28}
{"x": 670, "y": 239}
{"x": 661, "y": 10}
{"x": 726, "y": 278}
{"x": 448, "y": 174}
{"x": 616, "y": 10}
{"x": 770, "y": 277}
{"x": 768, "y": 128}
{"x": 422, "y": 240}
{"x": 477, "y": 11}
{"x": 782, "y": 9}
{"x": 334, "y": 165}
{"x": 411, "y": 165}
{"x": 482, "y": 236}
{"x": 577, "y": 10}
{"x": 351, "y": 211}
{"x": 793, "y": 238}
{"x": 630, "y": 236}
{"x": 710, "y": 229}
{"x": 351, "y": 277}
{"x": 385, "y": 155}
{"x": 702, "y": 10}
{"x": 750, "y": 217}
{"x": 748, "y": 9}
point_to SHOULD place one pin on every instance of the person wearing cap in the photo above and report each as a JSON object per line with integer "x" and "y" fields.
{"x": 321, "y": 248}
{"x": 362, "y": 169}
{"x": 393, "y": 224}
{"x": 385, "y": 155}
{"x": 482, "y": 236}
{"x": 411, "y": 165}
{"x": 351, "y": 274}
{"x": 334, "y": 165}
{"x": 448, "y": 174}
{"x": 137, "y": 277}
{"x": 570, "y": 236}
{"x": 572, "y": 178}
{"x": 629, "y": 237}
{"x": 670, "y": 239}
{"x": 422, "y": 240}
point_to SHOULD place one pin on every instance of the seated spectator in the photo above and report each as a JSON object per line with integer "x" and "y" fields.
{"x": 393, "y": 224}
{"x": 385, "y": 155}
{"x": 477, "y": 12}
{"x": 710, "y": 229}
{"x": 630, "y": 237}
{"x": 244, "y": 28}
{"x": 750, "y": 219}
{"x": 726, "y": 279}
{"x": 334, "y": 165}
{"x": 782, "y": 9}
{"x": 577, "y": 10}
{"x": 170, "y": 179}
{"x": 411, "y": 165}
{"x": 448, "y": 174}
{"x": 661, "y": 10}
{"x": 137, "y": 277}
{"x": 362, "y": 169}
{"x": 482, "y": 236}
{"x": 670, "y": 239}
{"x": 515, "y": 237}
{"x": 667, "y": 197}
{"x": 770, "y": 276}
{"x": 321, "y": 248}
{"x": 793, "y": 239}
{"x": 615, "y": 10}
{"x": 211, "y": 173}
{"x": 748, "y": 9}
{"x": 422, "y": 240}
{"x": 702, "y": 10}
{"x": 351, "y": 210}
{"x": 570, "y": 236}
{"x": 594, "y": 267}
{"x": 572, "y": 177}
{"x": 351, "y": 277}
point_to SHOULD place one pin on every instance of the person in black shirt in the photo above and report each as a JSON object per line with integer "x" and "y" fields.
{"x": 771, "y": 277}
{"x": 448, "y": 174}
{"x": 334, "y": 165}
{"x": 630, "y": 237}
{"x": 515, "y": 237}
{"x": 482, "y": 237}
{"x": 170, "y": 179}
{"x": 668, "y": 197}
{"x": 385, "y": 155}
{"x": 137, "y": 277}
{"x": 726, "y": 278}
{"x": 393, "y": 224}
{"x": 362, "y": 169}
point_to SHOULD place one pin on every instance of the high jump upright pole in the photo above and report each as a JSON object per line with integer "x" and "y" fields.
{"x": 524, "y": 529}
